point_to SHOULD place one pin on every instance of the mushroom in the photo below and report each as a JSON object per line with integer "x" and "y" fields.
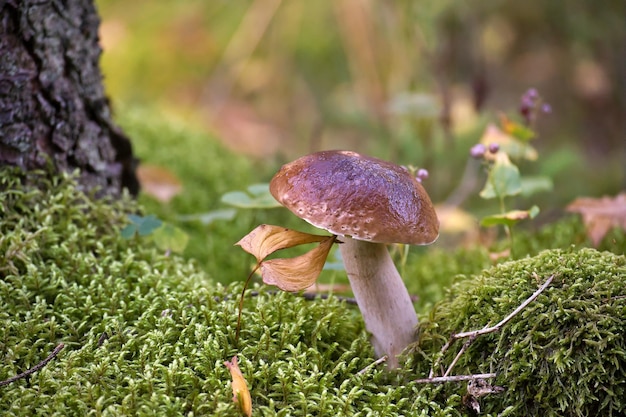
{"x": 370, "y": 203}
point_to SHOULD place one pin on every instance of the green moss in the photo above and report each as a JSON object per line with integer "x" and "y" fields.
{"x": 563, "y": 355}
{"x": 146, "y": 334}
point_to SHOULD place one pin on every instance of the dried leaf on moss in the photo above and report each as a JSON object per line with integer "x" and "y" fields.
{"x": 241, "y": 393}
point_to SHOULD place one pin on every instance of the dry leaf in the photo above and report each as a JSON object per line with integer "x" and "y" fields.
{"x": 476, "y": 389}
{"x": 600, "y": 214}
{"x": 241, "y": 393}
{"x": 267, "y": 239}
{"x": 158, "y": 182}
{"x": 299, "y": 273}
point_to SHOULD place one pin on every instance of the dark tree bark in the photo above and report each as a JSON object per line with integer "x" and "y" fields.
{"x": 53, "y": 110}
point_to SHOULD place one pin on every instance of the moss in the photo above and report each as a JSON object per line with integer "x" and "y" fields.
{"x": 564, "y": 355}
{"x": 147, "y": 334}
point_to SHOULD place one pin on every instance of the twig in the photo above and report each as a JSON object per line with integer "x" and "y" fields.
{"x": 508, "y": 318}
{"x": 472, "y": 335}
{"x": 308, "y": 296}
{"x": 458, "y": 355}
{"x": 34, "y": 368}
{"x": 453, "y": 378}
{"x": 373, "y": 364}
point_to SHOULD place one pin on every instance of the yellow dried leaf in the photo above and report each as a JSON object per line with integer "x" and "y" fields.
{"x": 299, "y": 273}
{"x": 267, "y": 239}
{"x": 241, "y": 393}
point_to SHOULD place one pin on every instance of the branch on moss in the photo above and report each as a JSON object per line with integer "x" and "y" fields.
{"x": 34, "y": 368}
{"x": 373, "y": 364}
{"x": 472, "y": 335}
{"x": 453, "y": 378}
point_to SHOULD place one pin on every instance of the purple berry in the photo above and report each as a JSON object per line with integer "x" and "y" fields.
{"x": 532, "y": 93}
{"x": 478, "y": 151}
{"x": 422, "y": 174}
{"x": 494, "y": 147}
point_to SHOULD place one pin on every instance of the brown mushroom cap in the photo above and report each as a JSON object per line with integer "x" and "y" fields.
{"x": 354, "y": 195}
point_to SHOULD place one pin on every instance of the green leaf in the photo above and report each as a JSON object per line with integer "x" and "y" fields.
{"x": 256, "y": 196}
{"x": 148, "y": 224}
{"x": 503, "y": 179}
{"x": 129, "y": 231}
{"x": 141, "y": 225}
{"x": 209, "y": 217}
{"x": 521, "y": 132}
{"x": 509, "y": 218}
{"x": 536, "y": 184}
{"x": 169, "y": 237}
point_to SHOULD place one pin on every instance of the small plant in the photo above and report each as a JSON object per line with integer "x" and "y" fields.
{"x": 498, "y": 147}
{"x": 165, "y": 236}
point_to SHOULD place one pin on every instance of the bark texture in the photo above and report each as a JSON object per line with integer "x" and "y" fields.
{"x": 53, "y": 110}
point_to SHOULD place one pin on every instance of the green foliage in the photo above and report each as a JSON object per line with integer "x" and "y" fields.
{"x": 170, "y": 238}
{"x": 256, "y": 196}
{"x": 503, "y": 179}
{"x": 212, "y": 227}
{"x": 141, "y": 225}
{"x": 564, "y": 355}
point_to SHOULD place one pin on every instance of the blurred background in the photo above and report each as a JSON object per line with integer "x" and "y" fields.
{"x": 220, "y": 93}
{"x": 409, "y": 81}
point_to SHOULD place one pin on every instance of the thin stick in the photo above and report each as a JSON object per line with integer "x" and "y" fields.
{"x": 453, "y": 378}
{"x": 34, "y": 368}
{"x": 243, "y": 293}
{"x": 472, "y": 335}
{"x": 458, "y": 355}
{"x": 373, "y": 364}
{"x": 508, "y": 318}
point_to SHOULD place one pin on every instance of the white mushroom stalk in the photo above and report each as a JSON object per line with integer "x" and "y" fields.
{"x": 382, "y": 297}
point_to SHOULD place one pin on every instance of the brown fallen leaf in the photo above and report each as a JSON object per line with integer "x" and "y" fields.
{"x": 288, "y": 274}
{"x": 300, "y": 272}
{"x": 158, "y": 182}
{"x": 267, "y": 239}
{"x": 241, "y": 393}
{"x": 600, "y": 215}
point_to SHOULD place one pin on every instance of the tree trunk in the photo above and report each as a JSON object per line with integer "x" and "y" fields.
{"x": 53, "y": 111}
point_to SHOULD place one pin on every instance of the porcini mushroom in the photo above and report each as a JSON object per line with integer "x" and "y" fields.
{"x": 370, "y": 203}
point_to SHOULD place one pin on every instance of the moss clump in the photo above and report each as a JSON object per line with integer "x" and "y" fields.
{"x": 563, "y": 355}
{"x": 146, "y": 334}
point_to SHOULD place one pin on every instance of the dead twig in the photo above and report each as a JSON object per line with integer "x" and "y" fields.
{"x": 34, "y": 368}
{"x": 373, "y": 364}
{"x": 453, "y": 378}
{"x": 472, "y": 335}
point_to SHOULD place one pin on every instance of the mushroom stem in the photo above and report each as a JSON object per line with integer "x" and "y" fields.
{"x": 382, "y": 297}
